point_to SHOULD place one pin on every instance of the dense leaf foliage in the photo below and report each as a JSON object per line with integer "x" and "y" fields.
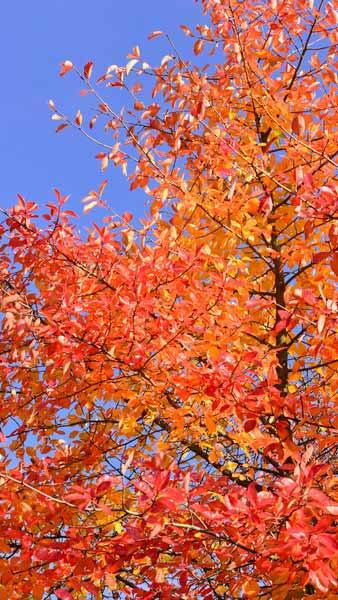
{"x": 168, "y": 392}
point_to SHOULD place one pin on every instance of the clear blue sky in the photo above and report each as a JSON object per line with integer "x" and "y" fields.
{"x": 35, "y": 37}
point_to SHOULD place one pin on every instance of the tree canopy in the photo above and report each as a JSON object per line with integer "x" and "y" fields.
{"x": 168, "y": 390}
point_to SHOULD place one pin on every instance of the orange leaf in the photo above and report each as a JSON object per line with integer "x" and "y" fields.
{"x": 251, "y": 589}
{"x": 321, "y": 323}
{"x": 78, "y": 118}
{"x": 61, "y": 127}
{"x": 66, "y": 66}
{"x": 198, "y": 46}
{"x": 186, "y": 30}
{"x": 154, "y": 34}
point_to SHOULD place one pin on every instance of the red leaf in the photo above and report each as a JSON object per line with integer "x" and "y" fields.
{"x": 252, "y": 494}
{"x": 105, "y": 483}
{"x": 47, "y": 554}
{"x": 174, "y": 494}
{"x": 249, "y": 425}
{"x": 162, "y": 479}
{"x": 87, "y": 70}
{"x": 63, "y": 594}
{"x": 317, "y": 258}
{"x": 334, "y": 263}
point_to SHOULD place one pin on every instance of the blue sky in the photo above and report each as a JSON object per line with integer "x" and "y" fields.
{"x": 34, "y": 38}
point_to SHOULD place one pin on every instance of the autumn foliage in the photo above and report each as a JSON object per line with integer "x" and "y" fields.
{"x": 168, "y": 390}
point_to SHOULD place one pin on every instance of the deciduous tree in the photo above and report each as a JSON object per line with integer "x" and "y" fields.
{"x": 168, "y": 391}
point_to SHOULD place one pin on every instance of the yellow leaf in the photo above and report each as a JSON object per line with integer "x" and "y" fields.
{"x": 89, "y": 206}
{"x": 118, "y": 527}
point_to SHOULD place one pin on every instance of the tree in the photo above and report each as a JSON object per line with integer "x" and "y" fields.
{"x": 168, "y": 392}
